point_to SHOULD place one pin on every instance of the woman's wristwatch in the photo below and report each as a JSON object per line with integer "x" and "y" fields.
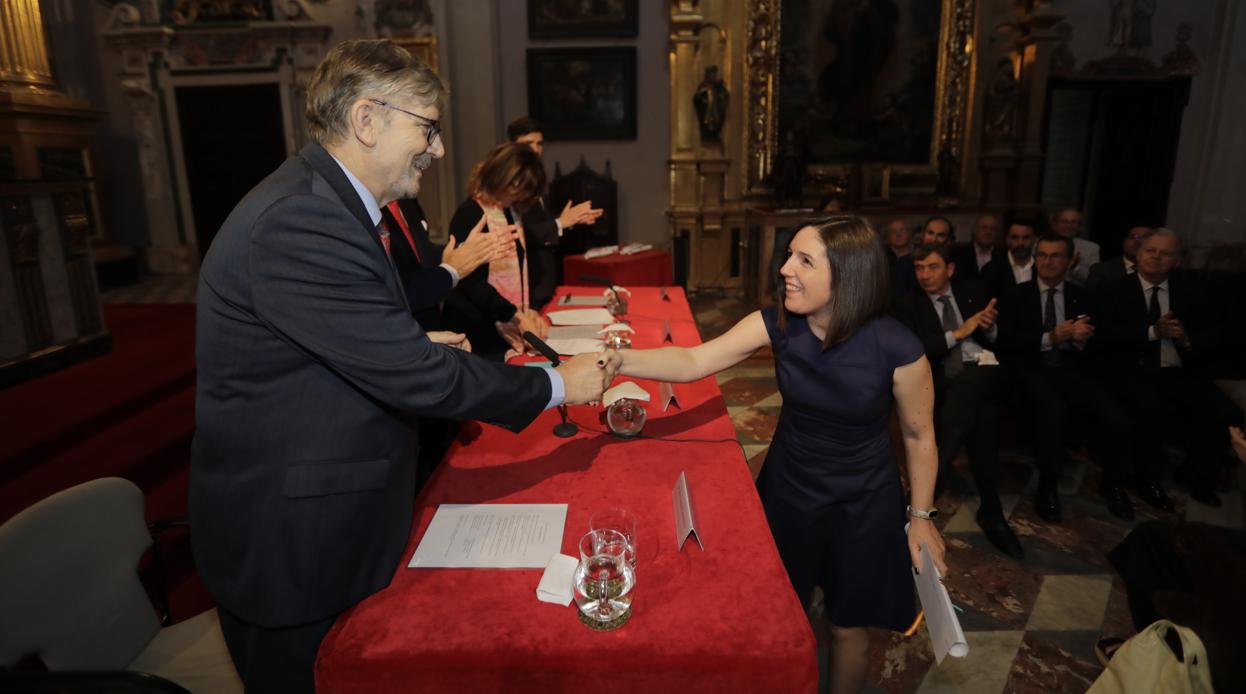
{"x": 918, "y": 513}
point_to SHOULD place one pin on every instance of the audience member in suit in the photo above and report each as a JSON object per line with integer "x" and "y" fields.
{"x": 1067, "y": 222}
{"x": 311, "y": 372}
{"x": 1045, "y": 327}
{"x": 937, "y": 229}
{"x": 1107, "y": 271}
{"x": 1160, "y": 327}
{"x": 543, "y": 230}
{"x": 1017, "y": 264}
{"x": 430, "y": 271}
{"x": 971, "y": 257}
{"x": 955, "y": 323}
{"x": 493, "y": 305}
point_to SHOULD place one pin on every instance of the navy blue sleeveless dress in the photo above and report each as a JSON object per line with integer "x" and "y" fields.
{"x": 831, "y": 486}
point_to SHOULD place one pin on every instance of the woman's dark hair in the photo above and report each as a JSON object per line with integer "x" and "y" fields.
{"x": 860, "y": 276}
{"x": 508, "y": 171}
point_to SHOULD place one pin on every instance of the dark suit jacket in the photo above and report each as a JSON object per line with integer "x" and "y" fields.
{"x": 1021, "y": 325}
{"x": 966, "y": 258}
{"x": 998, "y": 278}
{"x": 917, "y": 312}
{"x": 1126, "y": 323}
{"x": 311, "y": 374}
{"x": 1104, "y": 273}
{"x": 541, "y": 234}
{"x": 427, "y": 283}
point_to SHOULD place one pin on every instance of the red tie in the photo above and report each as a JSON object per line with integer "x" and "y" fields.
{"x": 383, "y": 230}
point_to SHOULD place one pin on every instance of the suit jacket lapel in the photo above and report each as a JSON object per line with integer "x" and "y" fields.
{"x": 323, "y": 163}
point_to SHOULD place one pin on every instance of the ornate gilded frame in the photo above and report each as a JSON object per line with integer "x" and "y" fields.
{"x": 952, "y": 93}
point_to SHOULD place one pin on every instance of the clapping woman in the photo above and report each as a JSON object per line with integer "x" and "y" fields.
{"x": 830, "y": 485}
{"x": 494, "y": 305}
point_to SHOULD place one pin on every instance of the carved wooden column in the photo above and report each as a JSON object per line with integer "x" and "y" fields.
{"x": 684, "y": 212}
{"x": 1037, "y": 45}
{"x": 49, "y": 305}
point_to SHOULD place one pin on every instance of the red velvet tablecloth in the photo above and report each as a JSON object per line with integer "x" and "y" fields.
{"x": 645, "y": 269}
{"x": 720, "y": 620}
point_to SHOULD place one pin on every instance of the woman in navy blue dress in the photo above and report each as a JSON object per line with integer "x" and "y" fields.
{"x": 830, "y": 485}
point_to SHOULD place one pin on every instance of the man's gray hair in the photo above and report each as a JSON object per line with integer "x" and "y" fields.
{"x": 1162, "y": 231}
{"x": 352, "y": 70}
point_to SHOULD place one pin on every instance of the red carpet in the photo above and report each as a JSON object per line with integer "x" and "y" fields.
{"x": 127, "y": 414}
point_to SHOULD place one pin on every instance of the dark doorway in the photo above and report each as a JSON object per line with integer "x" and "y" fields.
{"x": 1111, "y": 149}
{"x": 232, "y": 137}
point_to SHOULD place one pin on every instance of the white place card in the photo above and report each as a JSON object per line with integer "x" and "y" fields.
{"x": 685, "y": 516}
{"x": 666, "y": 396}
{"x": 491, "y": 536}
{"x": 666, "y": 331}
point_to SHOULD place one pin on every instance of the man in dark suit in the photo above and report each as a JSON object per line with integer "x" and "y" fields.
{"x": 429, "y": 271}
{"x": 955, "y": 323}
{"x": 1045, "y": 327}
{"x": 311, "y": 372}
{"x": 1161, "y": 328}
{"x": 971, "y": 257}
{"x": 1108, "y": 271}
{"x": 1017, "y": 265}
{"x": 937, "y": 229}
{"x": 542, "y": 229}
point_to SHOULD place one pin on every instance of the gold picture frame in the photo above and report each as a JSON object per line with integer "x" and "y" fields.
{"x": 953, "y": 91}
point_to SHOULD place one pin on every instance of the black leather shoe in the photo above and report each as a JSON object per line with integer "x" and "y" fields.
{"x": 1154, "y": 495}
{"x": 1047, "y": 505}
{"x": 997, "y": 531}
{"x": 1203, "y": 494}
{"x": 1118, "y": 502}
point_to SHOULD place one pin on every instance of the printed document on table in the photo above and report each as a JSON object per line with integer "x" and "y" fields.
{"x": 491, "y": 536}
{"x": 581, "y": 316}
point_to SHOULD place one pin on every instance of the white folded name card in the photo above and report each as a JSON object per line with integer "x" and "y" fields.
{"x": 666, "y": 331}
{"x": 685, "y": 517}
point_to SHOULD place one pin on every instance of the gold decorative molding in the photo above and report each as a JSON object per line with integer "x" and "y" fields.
{"x": 954, "y": 76}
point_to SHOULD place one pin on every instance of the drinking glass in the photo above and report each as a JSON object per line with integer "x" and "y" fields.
{"x": 604, "y": 580}
{"x": 626, "y": 417}
{"x": 620, "y": 520}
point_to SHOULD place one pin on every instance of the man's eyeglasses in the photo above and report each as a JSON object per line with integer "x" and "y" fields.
{"x": 432, "y": 128}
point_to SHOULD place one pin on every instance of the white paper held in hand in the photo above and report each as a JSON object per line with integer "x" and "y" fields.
{"x": 946, "y": 636}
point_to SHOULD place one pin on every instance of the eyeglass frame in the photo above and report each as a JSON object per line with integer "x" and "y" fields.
{"x": 432, "y": 128}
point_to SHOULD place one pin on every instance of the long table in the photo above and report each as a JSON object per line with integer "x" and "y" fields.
{"x": 722, "y": 619}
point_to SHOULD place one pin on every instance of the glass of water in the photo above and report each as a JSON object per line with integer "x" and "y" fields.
{"x": 604, "y": 580}
{"x": 620, "y": 520}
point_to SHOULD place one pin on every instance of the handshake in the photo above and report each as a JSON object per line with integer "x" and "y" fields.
{"x": 587, "y": 376}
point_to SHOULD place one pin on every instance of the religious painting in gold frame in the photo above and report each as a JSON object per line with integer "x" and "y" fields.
{"x": 767, "y": 58}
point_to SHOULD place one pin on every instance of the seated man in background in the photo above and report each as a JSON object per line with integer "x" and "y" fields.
{"x": 1044, "y": 329}
{"x": 971, "y": 257}
{"x": 1160, "y": 327}
{"x": 1017, "y": 264}
{"x": 1108, "y": 271}
{"x": 937, "y": 229}
{"x": 955, "y": 322}
{"x": 543, "y": 230}
{"x": 1067, "y": 222}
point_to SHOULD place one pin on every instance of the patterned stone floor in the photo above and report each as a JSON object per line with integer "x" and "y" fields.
{"x": 1031, "y": 625}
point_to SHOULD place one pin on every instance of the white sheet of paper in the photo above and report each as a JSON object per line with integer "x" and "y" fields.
{"x": 570, "y": 300}
{"x": 581, "y": 316}
{"x": 946, "y": 636}
{"x": 574, "y": 346}
{"x": 493, "y": 536}
{"x": 568, "y": 332}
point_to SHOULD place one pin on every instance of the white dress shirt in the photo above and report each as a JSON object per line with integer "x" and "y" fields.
{"x": 1021, "y": 273}
{"x": 969, "y": 348}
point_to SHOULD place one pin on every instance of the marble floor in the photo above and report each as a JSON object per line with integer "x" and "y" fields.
{"x": 1031, "y": 625}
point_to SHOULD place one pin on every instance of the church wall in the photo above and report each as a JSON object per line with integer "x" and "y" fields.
{"x": 638, "y": 165}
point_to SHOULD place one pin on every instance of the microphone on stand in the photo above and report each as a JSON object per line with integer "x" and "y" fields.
{"x": 566, "y": 429}
{"x": 594, "y": 279}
